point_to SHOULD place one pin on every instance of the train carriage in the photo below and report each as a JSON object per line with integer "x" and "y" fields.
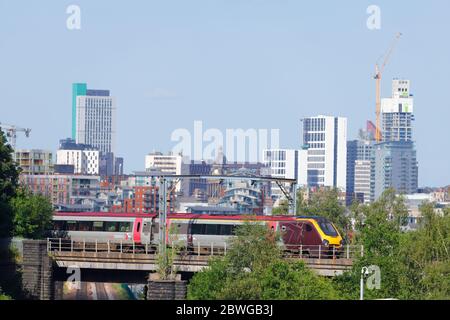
{"x": 195, "y": 231}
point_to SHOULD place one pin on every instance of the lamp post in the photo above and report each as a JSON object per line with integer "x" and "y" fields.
{"x": 162, "y": 215}
{"x": 364, "y": 272}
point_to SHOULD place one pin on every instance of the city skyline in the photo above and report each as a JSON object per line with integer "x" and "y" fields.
{"x": 281, "y": 69}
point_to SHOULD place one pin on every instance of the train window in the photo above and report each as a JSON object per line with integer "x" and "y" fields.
{"x": 124, "y": 226}
{"x": 138, "y": 228}
{"x": 328, "y": 228}
{"x": 97, "y": 226}
{"x": 308, "y": 228}
{"x": 59, "y": 225}
{"x": 111, "y": 226}
{"x": 211, "y": 229}
{"x": 227, "y": 229}
{"x": 71, "y": 225}
{"x": 84, "y": 225}
{"x": 197, "y": 228}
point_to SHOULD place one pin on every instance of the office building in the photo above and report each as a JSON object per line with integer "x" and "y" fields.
{"x": 362, "y": 181}
{"x": 394, "y": 165}
{"x": 359, "y": 150}
{"x": 325, "y": 139}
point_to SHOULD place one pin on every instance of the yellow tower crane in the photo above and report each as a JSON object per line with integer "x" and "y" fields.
{"x": 378, "y": 75}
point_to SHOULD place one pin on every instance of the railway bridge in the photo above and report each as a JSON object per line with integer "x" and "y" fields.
{"x": 118, "y": 256}
{"x": 46, "y": 262}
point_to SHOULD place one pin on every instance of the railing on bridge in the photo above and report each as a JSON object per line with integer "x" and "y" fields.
{"x": 348, "y": 252}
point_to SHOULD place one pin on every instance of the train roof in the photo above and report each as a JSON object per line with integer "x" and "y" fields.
{"x": 186, "y": 216}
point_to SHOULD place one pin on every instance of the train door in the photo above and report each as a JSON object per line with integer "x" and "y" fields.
{"x": 291, "y": 233}
{"x": 146, "y": 230}
{"x": 137, "y": 230}
{"x": 154, "y": 237}
{"x": 190, "y": 237}
{"x": 311, "y": 239}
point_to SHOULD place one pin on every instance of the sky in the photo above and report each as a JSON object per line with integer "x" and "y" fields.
{"x": 229, "y": 63}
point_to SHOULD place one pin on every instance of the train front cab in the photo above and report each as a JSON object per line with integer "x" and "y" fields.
{"x": 306, "y": 235}
{"x": 332, "y": 241}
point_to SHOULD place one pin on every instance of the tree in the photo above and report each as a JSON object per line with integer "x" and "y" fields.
{"x": 413, "y": 265}
{"x": 254, "y": 269}
{"x": 426, "y": 254}
{"x": 9, "y": 176}
{"x": 32, "y": 214}
{"x": 378, "y": 231}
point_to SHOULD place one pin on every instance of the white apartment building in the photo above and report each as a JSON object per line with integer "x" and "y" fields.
{"x": 84, "y": 161}
{"x": 325, "y": 139}
{"x": 166, "y": 164}
{"x": 282, "y": 163}
{"x": 96, "y": 120}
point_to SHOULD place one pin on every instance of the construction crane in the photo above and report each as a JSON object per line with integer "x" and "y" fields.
{"x": 378, "y": 75}
{"x": 11, "y": 133}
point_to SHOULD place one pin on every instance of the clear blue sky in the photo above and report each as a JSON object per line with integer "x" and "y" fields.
{"x": 231, "y": 63}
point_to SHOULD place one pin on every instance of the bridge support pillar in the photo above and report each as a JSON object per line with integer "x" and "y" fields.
{"x": 166, "y": 289}
{"x": 37, "y": 279}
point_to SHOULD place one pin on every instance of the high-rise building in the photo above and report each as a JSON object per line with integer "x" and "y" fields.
{"x": 94, "y": 121}
{"x": 358, "y": 150}
{"x": 84, "y": 158}
{"x": 397, "y": 113}
{"x": 362, "y": 181}
{"x": 34, "y": 161}
{"x": 282, "y": 163}
{"x": 394, "y": 165}
{"x": 325, "y": 138}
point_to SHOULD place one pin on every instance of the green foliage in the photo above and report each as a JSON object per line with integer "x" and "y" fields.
{"x": 413, "y": 265}
{"x": 9, "y": 176}
{"x": 282, "y": 209}
{"x": 254, "y": 269}
{"x": 165, "y": 266}
{"x": 32, "y": 215}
